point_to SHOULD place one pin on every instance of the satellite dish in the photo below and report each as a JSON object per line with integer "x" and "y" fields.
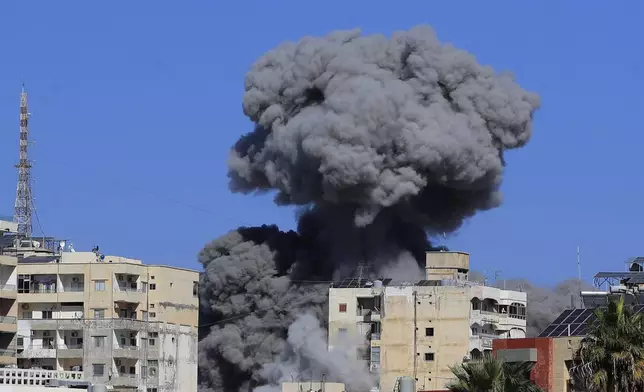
{"x": 62, "y": 244}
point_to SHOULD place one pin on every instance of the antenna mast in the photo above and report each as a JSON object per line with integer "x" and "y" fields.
{"x": 581, "y": 300}
{"x": 24, "y": 202}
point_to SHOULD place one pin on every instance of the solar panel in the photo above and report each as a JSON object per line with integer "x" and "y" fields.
{"x": 562, "y": 317}
{"x": 637, "y": 279}
{"x": 615, "y": 274}
{"x": 574, "y": 322}
{"x": 569, "y": 323}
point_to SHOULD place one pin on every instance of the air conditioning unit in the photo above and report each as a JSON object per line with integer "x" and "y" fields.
{"x": 25, "y": 306}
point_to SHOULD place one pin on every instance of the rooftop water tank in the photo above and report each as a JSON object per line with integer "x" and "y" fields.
{"x": 377, "y": 284}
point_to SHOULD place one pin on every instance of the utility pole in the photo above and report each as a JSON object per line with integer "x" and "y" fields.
{"x": 24, "y": 200}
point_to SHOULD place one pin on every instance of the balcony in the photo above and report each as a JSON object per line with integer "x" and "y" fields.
{"x": 70, "y": 351}
{"x": 8, "y": 260}
{"x": 8, "y": 291}
{"x": 125, "y": 380}
{"x": 368, "y": 315}
{"x": 7, "y": 356}
{"x": 39, "y": 294}
{"x": 72, "y": 293}
{"x": 127, "y": 351}
{"x": 129, "y": 295}
{"x": 482, "y": 341}
{"x": 8, "y": 324}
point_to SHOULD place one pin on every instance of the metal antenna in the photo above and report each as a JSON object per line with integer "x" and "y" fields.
{"x": 24, "y": 200}
{"x": 581, "y": 301}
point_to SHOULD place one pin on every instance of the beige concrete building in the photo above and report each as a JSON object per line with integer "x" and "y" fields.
{"x": 115, "y": 320}
{"x": 8, "y": 294}
{"x": 420, "y": 329}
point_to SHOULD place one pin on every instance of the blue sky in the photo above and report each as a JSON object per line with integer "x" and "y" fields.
{"x": 135, "y": 105}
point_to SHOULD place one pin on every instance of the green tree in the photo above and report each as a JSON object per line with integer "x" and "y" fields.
{"x": 490, "y": 374}
{"x": 611, "y": 355}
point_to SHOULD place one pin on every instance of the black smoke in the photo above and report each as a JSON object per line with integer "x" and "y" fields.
{"x": 381, "y": 142}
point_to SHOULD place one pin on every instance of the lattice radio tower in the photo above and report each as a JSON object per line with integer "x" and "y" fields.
{"x": 24, "y": 201}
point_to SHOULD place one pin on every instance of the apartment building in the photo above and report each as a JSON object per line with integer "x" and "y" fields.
{"x": 420, "y": 329}
{"x": 8, "y": 294}
{"x": 114, "y": 320}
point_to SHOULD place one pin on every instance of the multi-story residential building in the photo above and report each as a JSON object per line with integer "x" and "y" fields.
{"x": 116, "y": 320}
{"x": 8, "y": 306}
{"x": 421, "y": 329}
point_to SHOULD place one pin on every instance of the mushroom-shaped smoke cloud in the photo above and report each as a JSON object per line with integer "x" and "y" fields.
{"x": 381, "y": 141}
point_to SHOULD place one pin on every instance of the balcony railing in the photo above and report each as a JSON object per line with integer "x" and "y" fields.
{"x": 8, "y": 320}
{"x": 73, "y": 289}
{"x": 368, "y": 312}
{"x": 35, "y": 376}
{"x": 128, "y": 289}
{"x": 127, "y": 347}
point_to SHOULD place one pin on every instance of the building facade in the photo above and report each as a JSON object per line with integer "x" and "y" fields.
{"x": 421, "y": 329}
{"x": 116, "y": 320}
{"x": 553, "y": 357}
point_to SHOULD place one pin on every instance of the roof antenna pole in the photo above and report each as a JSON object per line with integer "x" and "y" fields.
{"x": 581, "y": 301}
{"x": 24, "y": 201}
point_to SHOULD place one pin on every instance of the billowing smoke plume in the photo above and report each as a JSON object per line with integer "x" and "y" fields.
{"x": 544, "y": 303}
{"x": 380, "y": 142}
{"x": 306, "y": 356}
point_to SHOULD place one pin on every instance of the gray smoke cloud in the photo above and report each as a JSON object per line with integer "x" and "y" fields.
{"x": 307, "y": 357}
{"x": 380, "y": 142}
{"x": 544, "y": 303}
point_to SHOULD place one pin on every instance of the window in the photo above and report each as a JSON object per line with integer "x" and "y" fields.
{"x": 342, "y": 331}
{"x": 144, "y": 315}
{"x": 99, "y": 341}
{"x": 151, "y": 306}
{"x": 151, "y": 342}
{"x": 27, "y": 315}
{"x": 47, "y": 314}
{"x": 20, "y": 342}
{"x": 152, "y": 390}
{"x": 152, "y": 277}
{"x": 429, "y": 331}
{"x": 99, "y": 285}
{"x": 195, "y": 289}
{"x": 99, "y": 313}
{"x": 429, "y": 356}
{"x": 153, "y": 365}
{"x": 144, "y": 371}
{"x": 132, "y": 370}
{"x": 170, "y": 284}
{"x": 144, "y": 287}
{"x": 153, "y": 286}
{"x": 99, "y": 369}
{"x": 153, "y": 314}
{"x": 343, "y": 308}
{"x": 48, "y": 343}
